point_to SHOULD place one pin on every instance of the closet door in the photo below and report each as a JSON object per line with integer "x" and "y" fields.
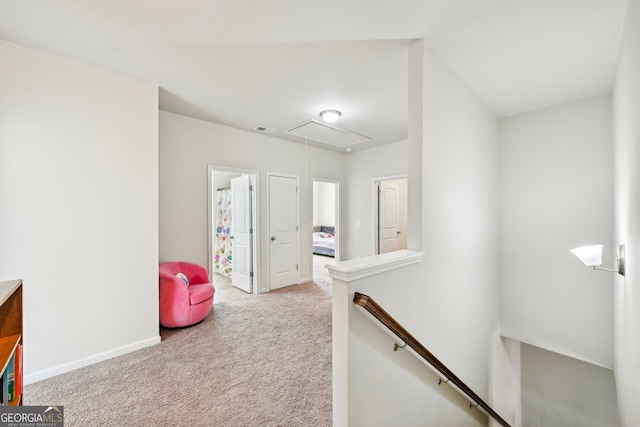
{"x": 283, "y": 231}
{"x": 389, "y": 217}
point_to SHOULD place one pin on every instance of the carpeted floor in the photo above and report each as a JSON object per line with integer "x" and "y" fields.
{"x": 259, "y": 360}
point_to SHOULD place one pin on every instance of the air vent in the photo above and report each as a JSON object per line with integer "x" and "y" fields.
{"x": 326, "y": 134}
{"x": 264, "y": 129}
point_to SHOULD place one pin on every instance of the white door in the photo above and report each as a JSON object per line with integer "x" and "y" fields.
{"x": 242, "y": 274}
{"x": 283, "y": 231}
{"x": 388, "y": 217}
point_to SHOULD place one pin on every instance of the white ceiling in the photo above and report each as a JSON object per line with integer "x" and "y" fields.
{"x": 278, "y": 63}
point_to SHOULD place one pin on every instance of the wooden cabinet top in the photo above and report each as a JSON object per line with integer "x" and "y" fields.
{"x": 7, "y": 288}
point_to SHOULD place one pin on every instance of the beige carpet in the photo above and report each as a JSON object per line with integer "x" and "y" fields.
{"x": 260, "y": 360}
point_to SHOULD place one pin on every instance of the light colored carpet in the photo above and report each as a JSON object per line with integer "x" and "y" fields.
{"x": 260, "y": 360}
{"x": 320, "y": 273}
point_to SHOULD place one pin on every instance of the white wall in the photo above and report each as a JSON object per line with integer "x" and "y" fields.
{"x": 188, "y": 145}
{"x": 627, "y": 219}
{"x": 361, "y": 168}
{"x": 560, "y": 391}
{"x": 449, "y": 302}
{"x": 324, "y": 204}
{"x": 556, "y": 194}
{"x": 78, "y": 208}
{"x": 458, "y": 279}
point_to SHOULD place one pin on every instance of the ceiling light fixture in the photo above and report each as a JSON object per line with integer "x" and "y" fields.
{"x": 330, "y": 116}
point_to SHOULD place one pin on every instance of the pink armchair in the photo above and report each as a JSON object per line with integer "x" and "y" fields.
{"x": 182, "y": 304}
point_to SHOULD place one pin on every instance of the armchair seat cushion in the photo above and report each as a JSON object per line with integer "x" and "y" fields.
{"x": 200, "y": 293}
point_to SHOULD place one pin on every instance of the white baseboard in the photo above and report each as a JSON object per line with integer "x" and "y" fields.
{"x": 71, "y": 366}
{"x": 305, "y": 280}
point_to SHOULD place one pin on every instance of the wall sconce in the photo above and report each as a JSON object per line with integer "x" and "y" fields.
{"x": 591, "y": 256}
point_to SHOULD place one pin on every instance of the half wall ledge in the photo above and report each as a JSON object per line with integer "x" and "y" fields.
{"x": 359, "y": 268}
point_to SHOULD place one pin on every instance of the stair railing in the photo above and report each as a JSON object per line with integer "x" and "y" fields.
{"x": 398, "y": 330}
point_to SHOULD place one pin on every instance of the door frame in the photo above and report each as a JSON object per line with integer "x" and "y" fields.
{"x": 337, "y": 215}
{"x": 268, "y": 216}
{"x": 375, "y": 207}
{"x": 255, "y": 211}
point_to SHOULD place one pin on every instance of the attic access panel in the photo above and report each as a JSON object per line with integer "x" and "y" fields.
{"x": 326, "y": 134}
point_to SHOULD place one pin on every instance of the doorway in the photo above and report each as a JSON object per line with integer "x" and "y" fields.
{"x": 326, "y": 227}
{"x": 284, "y": 234}
{"x": 233, "y": 230}
{"x": 390, "y": 214}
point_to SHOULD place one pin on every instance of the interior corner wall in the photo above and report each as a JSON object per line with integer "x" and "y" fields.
{"x": 459, "y": 274}
{"x": 361, "y": 168}
{"x": 556, "y": 181}
{"x": 188, "y": 146}
{"x": 627, "y": 219}
{"x": 505, "y": 380}
{"x": 78, "y": 208}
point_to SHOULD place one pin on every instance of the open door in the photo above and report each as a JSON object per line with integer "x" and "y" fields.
{"x": 232, "y": 220}
{"x": 241, "y": 232}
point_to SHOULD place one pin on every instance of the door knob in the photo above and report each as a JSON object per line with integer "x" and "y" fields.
{"x": 273, "y": 238}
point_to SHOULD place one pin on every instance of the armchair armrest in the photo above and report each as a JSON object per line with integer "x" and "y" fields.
{"x": 171, "y": 285}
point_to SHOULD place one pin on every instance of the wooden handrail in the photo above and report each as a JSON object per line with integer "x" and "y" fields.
{"x": 392, "y": 324}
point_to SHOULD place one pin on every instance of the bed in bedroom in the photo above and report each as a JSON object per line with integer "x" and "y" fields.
{"x": 324, "y": 240}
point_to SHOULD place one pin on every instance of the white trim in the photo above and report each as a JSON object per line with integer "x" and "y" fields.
{"x": 340, "y": 352}
{"x": 299, "y": 189}
{"x": 360, "y": 268}
{"x": 90, "y": 360}
{"x": 255, "y": 181}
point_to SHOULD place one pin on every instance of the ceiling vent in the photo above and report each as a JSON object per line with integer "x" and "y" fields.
{"x": 326, "y": 134}
{"x": 264, "y": 129}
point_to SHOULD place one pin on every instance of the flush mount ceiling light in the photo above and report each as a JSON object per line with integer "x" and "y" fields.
{"x": 591, "y": 256}
{"x": 330, "y": 116}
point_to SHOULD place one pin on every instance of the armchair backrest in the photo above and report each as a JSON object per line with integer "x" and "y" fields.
{"x": 194, "y": 272}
